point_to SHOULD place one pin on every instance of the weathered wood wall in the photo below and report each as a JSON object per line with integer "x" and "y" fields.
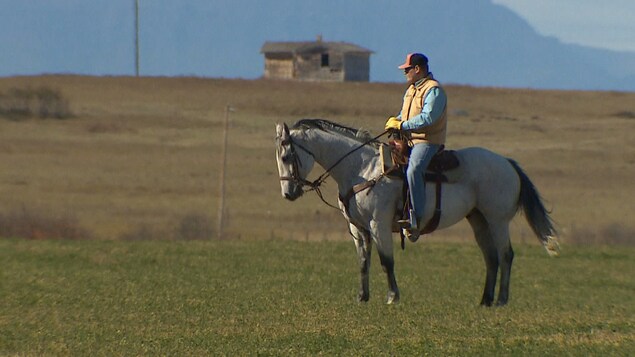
{"x": 310, "y": 67}
{"x": 279, "y": 67}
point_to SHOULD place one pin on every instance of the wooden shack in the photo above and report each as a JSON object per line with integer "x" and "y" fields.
{"x": 316, "y": 61}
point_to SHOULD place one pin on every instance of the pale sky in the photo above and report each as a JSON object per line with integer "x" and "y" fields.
{"x": 606, "y": 24}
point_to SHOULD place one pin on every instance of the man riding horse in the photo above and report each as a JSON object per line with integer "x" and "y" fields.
{"x": 423, "y": 121}
{"x": 488, "y": 189}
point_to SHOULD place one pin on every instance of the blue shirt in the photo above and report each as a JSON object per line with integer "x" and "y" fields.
{"x": 433, "y": 106}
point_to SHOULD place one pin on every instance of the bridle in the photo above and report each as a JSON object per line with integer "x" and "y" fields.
{"x": 315, "y": 184}
{"x": 295, "y": 171}
{"x": 296, "y": 164}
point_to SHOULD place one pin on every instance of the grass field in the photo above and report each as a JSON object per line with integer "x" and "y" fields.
{"x": 128, "y": 187}
{"x": 285, "y": 297}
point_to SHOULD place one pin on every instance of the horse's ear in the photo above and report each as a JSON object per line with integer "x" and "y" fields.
{"x": 286, "y": 129}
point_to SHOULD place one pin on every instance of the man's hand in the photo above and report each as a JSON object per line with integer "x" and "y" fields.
{"x": 393, "y": 123}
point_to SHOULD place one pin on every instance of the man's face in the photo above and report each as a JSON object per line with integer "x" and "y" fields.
{"x": 412, "y": 74}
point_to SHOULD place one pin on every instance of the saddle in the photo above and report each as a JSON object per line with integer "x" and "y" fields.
{"x": 395, "y": 157}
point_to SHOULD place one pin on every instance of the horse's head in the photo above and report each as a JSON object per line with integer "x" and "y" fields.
{"x": 294, "y": 163}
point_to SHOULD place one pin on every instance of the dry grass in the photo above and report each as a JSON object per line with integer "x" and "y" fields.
{"x": 42, "y": 102}
{"x": 33, "y": 224}
{"x": 140, "y": 156}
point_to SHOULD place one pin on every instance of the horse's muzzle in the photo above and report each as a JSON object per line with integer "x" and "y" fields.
{"x": 292, "y": 196}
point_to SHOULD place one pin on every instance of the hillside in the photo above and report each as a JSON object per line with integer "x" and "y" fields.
{"x": 469, "y": 42}
{"x": 140, "y": 157}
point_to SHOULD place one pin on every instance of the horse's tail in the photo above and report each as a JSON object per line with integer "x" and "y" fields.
{"x": 537, "y": 216}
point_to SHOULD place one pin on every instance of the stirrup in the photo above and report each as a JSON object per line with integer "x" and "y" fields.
{"x": 403, "y": 223}
{"x": 412, "y": 222}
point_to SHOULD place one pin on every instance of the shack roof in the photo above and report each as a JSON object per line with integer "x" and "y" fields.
{"x": 312, "y": 47}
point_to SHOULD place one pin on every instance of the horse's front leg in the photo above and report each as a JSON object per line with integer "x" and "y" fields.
{"x": 382, "y": 235}
{"x": 363, "y": 245}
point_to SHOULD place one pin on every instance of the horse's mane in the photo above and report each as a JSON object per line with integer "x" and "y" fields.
{"x": 361, "y": 135}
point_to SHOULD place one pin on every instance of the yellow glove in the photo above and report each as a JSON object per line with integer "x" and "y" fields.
{"x": 393, "y": 123}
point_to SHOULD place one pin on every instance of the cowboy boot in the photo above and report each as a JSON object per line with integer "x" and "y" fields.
{"x": 413, "y": 231}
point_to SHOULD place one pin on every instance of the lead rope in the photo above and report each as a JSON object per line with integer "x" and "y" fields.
{"x": 315, "y": 185}
{"x": 317, "y": 182}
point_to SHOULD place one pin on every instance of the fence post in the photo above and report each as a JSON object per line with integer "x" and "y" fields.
{"x": 223, "y": 167}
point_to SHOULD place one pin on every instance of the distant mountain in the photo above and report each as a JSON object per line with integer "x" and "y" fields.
{"x": 472, "y": 42}
{"x": 487, "y": 44}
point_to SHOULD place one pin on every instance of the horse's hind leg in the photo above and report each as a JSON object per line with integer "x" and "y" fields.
{"x": 490, "y": 254}
{"x": 500, "y": 234}
{"x": 364, "y": 247}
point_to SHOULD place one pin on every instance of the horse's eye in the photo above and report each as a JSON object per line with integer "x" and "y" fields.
{"x": 286, "y": 159}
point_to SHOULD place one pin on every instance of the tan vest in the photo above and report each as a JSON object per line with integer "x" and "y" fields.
{"x": 412, "y": 105}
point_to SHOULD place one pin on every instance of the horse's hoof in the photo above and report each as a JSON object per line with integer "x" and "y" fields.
{"x": 362, "y": 298}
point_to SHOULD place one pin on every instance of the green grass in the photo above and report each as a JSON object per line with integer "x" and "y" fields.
{"x": 298, "y": 298}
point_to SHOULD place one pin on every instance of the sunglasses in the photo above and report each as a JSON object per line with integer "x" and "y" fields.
{"x": 407, "y": 69}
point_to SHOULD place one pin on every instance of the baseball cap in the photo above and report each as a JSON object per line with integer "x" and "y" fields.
{"x": 414, "y": 59}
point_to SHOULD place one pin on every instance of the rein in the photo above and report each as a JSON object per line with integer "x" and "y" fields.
{"x": 315, "y": 184}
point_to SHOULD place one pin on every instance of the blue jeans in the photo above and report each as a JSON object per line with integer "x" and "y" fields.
{"x": 420, "y": 157}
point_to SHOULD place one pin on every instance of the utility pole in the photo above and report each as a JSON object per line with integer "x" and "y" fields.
{"x": 136, "y": 41}
{"x": 223, "y": 168}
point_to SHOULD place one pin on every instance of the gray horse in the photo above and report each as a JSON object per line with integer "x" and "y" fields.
{"x": 488, "y": 190}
